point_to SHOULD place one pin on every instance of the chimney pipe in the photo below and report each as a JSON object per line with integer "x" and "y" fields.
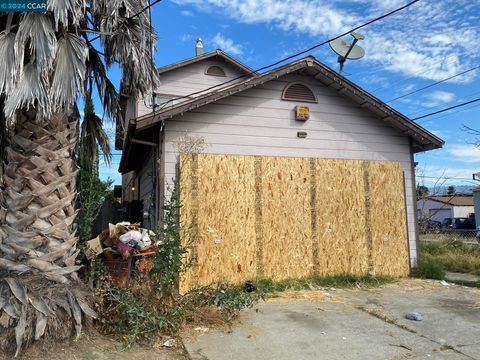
{"x": 199, "y": 47}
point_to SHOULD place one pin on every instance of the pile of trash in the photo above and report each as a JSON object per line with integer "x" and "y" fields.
{"x": 121, "y": 241}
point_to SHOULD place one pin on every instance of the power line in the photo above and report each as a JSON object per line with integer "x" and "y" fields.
{"x": 443, "y": 177}
{"x": 413, "y": 75}
{"x": 294, "y": 55}
{"x": 457, "y": 111}
{"x": 434, "y": 84}
{"x": 144, "y": 9}
{"x": 446, "y": 109}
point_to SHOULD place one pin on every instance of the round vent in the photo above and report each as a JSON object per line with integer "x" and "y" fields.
{"x": 215, "y": 71}
{"x": 299, "y": 92}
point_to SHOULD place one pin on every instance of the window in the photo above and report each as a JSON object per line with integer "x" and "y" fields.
{"x": 215, "y": 71}
{"x": 298, "y": 92}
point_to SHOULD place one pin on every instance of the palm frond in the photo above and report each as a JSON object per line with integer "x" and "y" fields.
{"x": 107, "y": 92}
{"x": 29, "y": 90}
{"x": 7, "y": 59}
{"x": 70, "y": 71}
{"x": 37, "y": 35}
{"x": 130, "y": 45}
{"x": 92, "y": 137}
{"x": 63, "y": 8}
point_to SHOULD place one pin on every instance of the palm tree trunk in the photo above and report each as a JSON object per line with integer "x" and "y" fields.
{"x": 39, "y": 289}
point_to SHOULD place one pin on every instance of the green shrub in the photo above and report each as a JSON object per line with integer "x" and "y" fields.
{"x": 428, "y": 267}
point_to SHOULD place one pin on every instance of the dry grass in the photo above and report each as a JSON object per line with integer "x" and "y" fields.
{"x": 453, "y": 255}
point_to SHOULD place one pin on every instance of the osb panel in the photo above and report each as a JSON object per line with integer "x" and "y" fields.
{"x": 387, "y": 209}
{"x": 341, "y": 218}
{"x": 225, "y": 244}
{"x": 291, "y": 217}
{"x": 286, "y": 218}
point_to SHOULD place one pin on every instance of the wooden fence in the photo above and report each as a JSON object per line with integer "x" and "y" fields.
{"x": 277, "y": 217}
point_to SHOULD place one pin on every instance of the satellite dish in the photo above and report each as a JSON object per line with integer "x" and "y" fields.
{"x": 347, "y": 50}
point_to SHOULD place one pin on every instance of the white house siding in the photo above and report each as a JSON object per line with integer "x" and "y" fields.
{"x": 463, "y": 211}
{"x": 189, "y": 79}
{"x": 258, "y": 122}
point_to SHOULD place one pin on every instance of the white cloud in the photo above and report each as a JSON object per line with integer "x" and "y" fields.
{"x": 187, "y": 37}
{"x": 439, "y": 97}
{"x": 440, "y": 176}
{"x": 227, "y": 45}
{"x": 186, "y": 13}
{"x": 466, "y": 153}
{"x": 431, "y": 39}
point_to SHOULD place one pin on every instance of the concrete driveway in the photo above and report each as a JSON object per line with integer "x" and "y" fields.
{"x": 353, "y": 324}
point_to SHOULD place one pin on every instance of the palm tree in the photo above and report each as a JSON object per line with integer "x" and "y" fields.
{"x": 47, "y": 61}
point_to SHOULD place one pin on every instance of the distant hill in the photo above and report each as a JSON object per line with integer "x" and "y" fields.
{"x": 462, "y": 189}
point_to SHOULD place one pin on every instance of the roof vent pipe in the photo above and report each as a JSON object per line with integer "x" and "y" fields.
{"x": 199, "y": 47}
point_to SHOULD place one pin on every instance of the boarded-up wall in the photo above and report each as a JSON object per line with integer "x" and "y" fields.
{"x": 285, "y": 217}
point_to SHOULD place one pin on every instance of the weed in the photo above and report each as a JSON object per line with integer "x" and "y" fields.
{"x": 429, "y": 267}
{"x": 446, "y": 347}
{"x": 473, "y": 284}
{"x": 385, "y": 318}
{"x": 453, "y": 255}
{"x": 267, "y": 285}
{"x": 151, "y": 305}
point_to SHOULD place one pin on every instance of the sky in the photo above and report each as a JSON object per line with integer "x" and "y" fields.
{"x": 427, "y": 42}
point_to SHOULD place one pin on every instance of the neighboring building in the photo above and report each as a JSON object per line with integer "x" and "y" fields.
{"x": 476, "y": 204}
{"x": 439, "y": 208}
{"x": 253, "y": 114}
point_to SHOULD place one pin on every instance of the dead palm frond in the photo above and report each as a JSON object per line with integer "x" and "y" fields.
{"x": 93, "y": 137}
{"x": 70, "y": 71}
{"x": 7, "y": 59}
{"x": 35, "y": 42}
{"x": 64, "y": 10}
{"x": 29, "y": 90}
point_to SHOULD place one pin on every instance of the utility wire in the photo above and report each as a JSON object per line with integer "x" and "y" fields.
{"x": 294, "y": 55}
{"x": 457, "y": 111}
{"x": 446, "y": 109}
{"x": 412, "y": 75}
{"x": 443, "y": 177}
{"x": 433, "y": 84}
{"x": 148, "y": 7}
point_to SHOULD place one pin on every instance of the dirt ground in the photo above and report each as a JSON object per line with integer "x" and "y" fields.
{"x": 95, "y": 346}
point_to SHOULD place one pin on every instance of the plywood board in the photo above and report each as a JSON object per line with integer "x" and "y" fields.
{"x": 286, "y": 218}
{"x": 283, "y": 217}
{"x": 225, "y": 238}
{"x": 388, "y": 228}
{"x": 340, "y": 209}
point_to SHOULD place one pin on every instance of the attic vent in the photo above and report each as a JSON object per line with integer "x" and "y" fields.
{"x": 215, "y": 71}
{"x": 298, "y": 92}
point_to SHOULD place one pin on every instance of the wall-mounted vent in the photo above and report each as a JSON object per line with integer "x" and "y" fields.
{"x": 215, "y": 71}
{"x": 298, "y": 92}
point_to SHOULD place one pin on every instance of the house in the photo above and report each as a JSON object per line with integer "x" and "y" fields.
{"x": 297, "y": 162}
{"x": 439, "y": 208}
{"x": 476, "y": 204}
